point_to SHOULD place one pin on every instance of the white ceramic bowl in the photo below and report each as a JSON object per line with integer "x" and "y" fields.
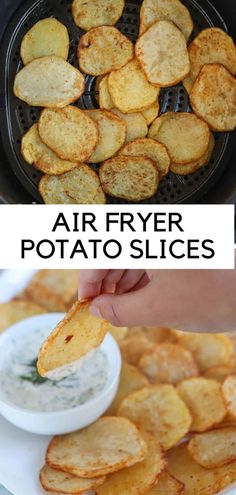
{"x": 59, "y": 422}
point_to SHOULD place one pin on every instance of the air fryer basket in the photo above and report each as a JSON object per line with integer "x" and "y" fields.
{"x": 16, "y": 117}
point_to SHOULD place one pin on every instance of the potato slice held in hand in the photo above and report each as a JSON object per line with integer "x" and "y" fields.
{"x": 214, "y": 448}
{"x": 112, "y": 132}
{"x": 60, "y": 482}
{"x": 94, "y": 13}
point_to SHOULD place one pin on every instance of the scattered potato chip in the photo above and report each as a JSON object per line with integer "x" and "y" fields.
{"x": 136, "y": 124}
{"x": 159, "y": 10}
{"x": 194, "y": 166}
{"x": 119, "y": 333}
{"x": 14, "y": 311}
{"x": 213, "y": 97}
{"x": 150, "y": 148}
{"x": 151, "y": 112}
{"x": 187, "y": 84}
{"x": 168, "y": 363}
{"x": 112, "y": 133}
{"x": 160, "y": 334}
{"x": 69, "y": 132}
{"x": 159, "y": 410}
{"x": 77, "y": 334}
{"x": 130, "y": 178}
{"x": 79, "y": 186}
{"x": 105, "y": 100}
{"x": 104, "y": 49}
{"x": 58, "y": 482}
{"x": 133, "y": 347}
{"x": 130, "y": 90}
{"x": 219, "y": 373}
{"x": 229, "y": 394}
{"x": 214, "y": 448}
{"x": 47, "y": 37}
{"x": 49, "y": 82}
{"x": 167, "y": 485}
{"x": 118, "y": 445}
{"x": 163, "y": 55}
{"x": 139, "y": 478}
{"x": 204, "y": 400}
{"x": 94, "y": 13}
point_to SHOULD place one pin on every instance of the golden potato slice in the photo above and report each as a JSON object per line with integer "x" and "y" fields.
{"x": 106, "y": 446}
{"x": 229, "y": 394}
{"x": 185, "y": 136}
{"x": 159, "y": 410}
{"x": 36, "y": 153}
{"x": 94, "y": 13}
{"x": 159, "y": 10}
{"x": 79, "y": 186}
{"x": 136, "y": 124}
{"x": 160, "y": 334}
{"x": 77, "y": 334}
{"x": 131, "y": 379}
{"x": 69, "y": 132}
{"x": 104, "y": 49}
{"x": 193, "y": 166}
{"x": 58, "y": 482}
{"x": 119, "y": 333}
{"x": 212, "y": 45}
{"x": 168, "y": 363}
{"x": 151, "y": 112}
{"x": 198, "y": 480}
{"x": 150, "y": 148}
{"x": 219, "y": 373}
{"x": 46, "y": 38}
{"x": 204, "y": 400}
{"x": 187, "y": 84}
{"x": 208, "y": 349}
{"x": 130, "y": 178}
{"x": 14, "y": 311}
{"x": 167, "y": 485}
{"x": 163, "y": 55}
{"x": 49, "y": 82}
{"x": 130, "y": 90}
{"x": 104, "y": 98}
{"x": 112, "y": 133}
{"x": 134, "y": 346}
{"x": 214, "y": 448}
{"x": 213, "y": 97}
{"x": 139, "y": 478}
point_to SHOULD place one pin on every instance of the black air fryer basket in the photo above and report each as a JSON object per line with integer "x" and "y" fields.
{"x": 215, "y": 183}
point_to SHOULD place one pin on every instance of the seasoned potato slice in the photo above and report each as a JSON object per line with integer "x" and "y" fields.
{"x": 150, "y": 148}
{"x": 49, "y": 82}
{"x": 159, "y": 334}
{"x": 94, "y": 13}
{"x": 151, "y": 112}
{"x": 219, "y": 373}
{"x": 118, "y": 445}
{"x": 204, "y": 400}
{"x": 229, "y": 394}
{"x": 104, "y": 49}
{"x": 130, "y": 178}
{"x": 159, "y": 410}
{"x": 187, "y": 83}
{"x": 213, "y": 97}
{"x": 47, "y": 37}
{"x": 58, "y": 482}
{"x": 159, "y": 10}
{"x": 69, "y": 132}
{"x": 105, "y": 100}
{"x": 134, "y": 346}
{"x": 136, "y": 124}
{"x": 167, "y": 485}
{"x": 214, "y": 448}
{"x": 130, "y": 90}
{"x": 14, "y": 311}
{"x": 163, "y": 55}
{"x": 194, "y": 166}
{"x": 112, "y": 133}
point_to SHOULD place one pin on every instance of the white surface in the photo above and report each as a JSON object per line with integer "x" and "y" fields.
{"x": 12, "y": 282}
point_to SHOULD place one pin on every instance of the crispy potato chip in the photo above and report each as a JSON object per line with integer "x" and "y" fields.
{"x": 112, "y": 133}
{"x": 151, "y": 112}
{"x": 104, "y": 49}
{"x": 159, "y": 410}
{"x": 198, "y": 480}
{"x": 79, "y": 186}
{"x": 160, "y": 334}
{"x": 232, "y": 337}
{"x": 36, "y": 153}
{"x": 49, "y": 82}
{"x": 168, "y": 363}
{"x": 131, "y": 379}
{"x": 94, "y": 13}
{"x": 208, "y": 349}
{"x": 163, "y": 55}
{"x": 130, "y": 178}
{"x": 204, "y": 400}
{"x": 136, "y": 124}
{"x": 193, "y": 166}
{"x": 58, "y": 482}
{"x": 213, "y": 97}
{"x": 119, "y": 333}
{"x": 219, "y": 373}
{"x": 214, "y": 448}
{"x": 187, "y": 84}
{"x": 118, "y": 445}
{"x": 14, "y": 311}
{"x": 69, "y": 132}
{"x": 77, "y": 334}
{"x": 130, "y": 90}
{"x": 140, "y": 478}
{"x": 212, "y": 45}
{"x": 46, "y": 38}
{"x": 229, "y": 394}
{"x": 150, "y": 148}
{"x": 133, "y": 347}
{"x": 159, "y": 10}
{"x": 167, "y": 485}
{"x": 105, "y": 100}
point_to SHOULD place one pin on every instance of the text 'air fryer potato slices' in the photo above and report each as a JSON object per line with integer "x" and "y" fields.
{"x": 69, "y": 132}
{"x": 130, "y": 178}
{"x": 159, "y": 10}
{"x": 229, "y": 394}
{"x": 214, "y": 448}
{"x": 49, "y": 82}
{"x": 136, "y": 124}
{"x": 140, "y": 477}
{"x": 14, "y": 311}
{"x": 106, "y": 446}
{"x": 163, "y": 55}
{"x": 213, "y": 97}
{"x": 47, "y": 37}
{"x": 103, "y": 49}
{"x": 77, "y": 334}
{"x": 56, "y": 481}
{"x": 94, "y": 13}
{"x": 111, "y": 131}
{"x": 159, "y": 410}
{"x": 167, "y": 485}
{"x": 151, "y": 149}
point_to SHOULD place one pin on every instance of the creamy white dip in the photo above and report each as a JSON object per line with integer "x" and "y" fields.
{"x": 22, "y": 386}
